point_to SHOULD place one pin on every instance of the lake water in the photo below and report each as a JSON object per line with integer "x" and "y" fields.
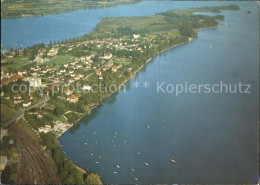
{"x": 27, "y": 31}
{"x": 212, "y": 137}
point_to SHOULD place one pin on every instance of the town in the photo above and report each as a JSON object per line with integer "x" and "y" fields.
{"x": 47, "y": 71}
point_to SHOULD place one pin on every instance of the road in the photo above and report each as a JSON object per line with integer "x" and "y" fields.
{"x": 21, "y": 112}
{"x": 35, "y": 167}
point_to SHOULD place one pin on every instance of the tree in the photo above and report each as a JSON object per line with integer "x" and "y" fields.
{"x": 57, "y": 156}
{"x": 59, "y": 110}
{"x": 70, "y": 180}
{"x": 86, "y": 110}
{"x": 93, "y": 179}
{"x": 78, "y": 178}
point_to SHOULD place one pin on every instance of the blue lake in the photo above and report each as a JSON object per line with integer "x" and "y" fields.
{"x": 212, "y": 137}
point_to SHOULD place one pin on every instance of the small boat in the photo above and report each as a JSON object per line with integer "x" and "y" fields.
{"x": 148, "y": 126}
{"x": 138, "y": 153}
{"x": 116, "y": 133}
{"x": 97, "y": 162}
{"x": 124, "y": 141}
{"x": 115, "y": 172}
{"x": 86, "y": 143}
{"x": 136, "y": 179}
{"x": 114, "y": 145}
{"x": 163, "y": 120}
{"x": 147, "y": 164}
{"x": 173, "y": 161}
{"x": 99, "y": 156}
{"x": 117, "y": 166}
{"x": 133, "y": 170}
{"x": 96, "y": 142}
{"x": 95, "y": 133}
{"x": 210, "y": 46}
{"x": 91, "y": 154}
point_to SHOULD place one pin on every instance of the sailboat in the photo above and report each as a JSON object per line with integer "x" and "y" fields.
{"x": 171, "y": 159}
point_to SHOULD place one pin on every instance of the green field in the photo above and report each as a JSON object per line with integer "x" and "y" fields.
{"x": 157, "y": 22}
{"x": 14, "y": 64}
{"x": 167, "y": 23}
{"x": 122, "y": 61}
{"x": 59, "y": 60}
{"x": 59, "y": 118}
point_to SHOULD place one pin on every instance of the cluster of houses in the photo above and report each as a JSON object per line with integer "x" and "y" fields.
{"x": 26, "y": 103}
{"x": 13, "y": 53}
{"x": 44, "y": 55}
{"x": 115, "y": 68}
{"x": 67, "y": 73}
{"x": 136, "y": 43}
{"x": 70, "y": 72}
{"x": 119, "y": 44}
{"x": 22, "y": 75}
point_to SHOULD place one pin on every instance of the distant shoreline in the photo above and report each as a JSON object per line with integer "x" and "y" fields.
{"x": 46, "y": 9}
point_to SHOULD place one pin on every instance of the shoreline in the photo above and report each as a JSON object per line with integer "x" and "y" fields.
{"x": 131, "y": 77}
{"x": 212, "y": 27}
{"x": 134, "y": 74}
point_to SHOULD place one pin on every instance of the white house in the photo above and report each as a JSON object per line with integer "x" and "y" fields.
{"x": 26, "y": 103}
{"x": 24, "y": 72}
{"x": 98, "y": 72}
{"x": 86, "y": 87}
{"x": 108, "y": 56}
{"x": 88, "y": 57}
{"x": 62, "y": 71}
{"x": 34, "y": 82}
{"x": 72, "y": 98}
{"x": 67, "y": 92}
{"x": 136, "y": 36}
